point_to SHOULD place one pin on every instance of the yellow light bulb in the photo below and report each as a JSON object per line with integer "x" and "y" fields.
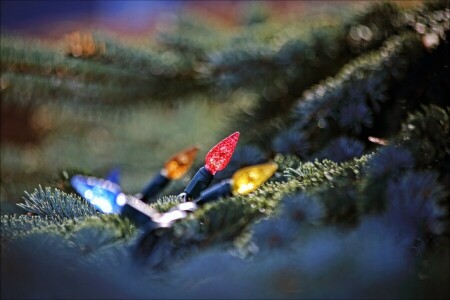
{"x": 248, "y": 179}
{"x": 179, "y": 164}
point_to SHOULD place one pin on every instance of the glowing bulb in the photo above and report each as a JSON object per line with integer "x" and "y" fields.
{"x": 219, "y": 156}
{"x": 248, "y": 179}
{"x": 88, "y": 195}
{"x": 99, "y": 192}
{"x": 121, "y": 199}
{"x": 180, "y": 163}
{"x": 103, "y": 204}
{"x": 216, "y": 160}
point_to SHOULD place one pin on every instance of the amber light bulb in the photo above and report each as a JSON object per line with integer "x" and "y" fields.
{"x": 176, "y": 166}
{"x": 82, "y": 44}
{"x": 216, "y": 160}
{"x": 243, "y": 182}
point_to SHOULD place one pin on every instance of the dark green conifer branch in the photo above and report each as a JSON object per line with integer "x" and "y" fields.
{"x": 221, "y": 221}
{"x": 191, "y": 37}
{"x": 30, "y": 89}
{"x": 28, "y": 56}
{"x": 115, "y": 73}
{"x": 118, "y": 228}
{"x": 304, "y": 61}
{"x": 165, "y": 203}
{"x": 365, "y": 98}
{"x": 57, "y": 205}
{"x": 407, "y": 154}
{"x": 330, "y": 205}
{"x": 431, "y": 126}
{"x": 13, "y": 226}
{"x": 226, "y": 219}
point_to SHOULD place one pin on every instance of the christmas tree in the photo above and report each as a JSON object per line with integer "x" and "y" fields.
{"x": 336, "y": 186}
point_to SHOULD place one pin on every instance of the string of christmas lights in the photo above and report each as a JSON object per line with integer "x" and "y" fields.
{"x": 243, "y": 182}
{"x": 174, "y": 168}
{"x": 108, "y": 197}
{"x": 216, "y": 160}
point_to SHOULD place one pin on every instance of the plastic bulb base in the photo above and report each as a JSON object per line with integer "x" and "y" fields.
{"x": 222, "y": 189}
{"x": 137, "y": 211}
{"x": 199, "y": 183}
{"x": 135, "y": 215}
{"x": 154, "y": 187}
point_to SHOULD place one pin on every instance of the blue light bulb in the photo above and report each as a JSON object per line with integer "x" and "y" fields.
{"x": 102, "y": 194}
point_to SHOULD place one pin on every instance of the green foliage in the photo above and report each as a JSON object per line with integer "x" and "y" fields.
{"x": 303, "y": 61}
{"x": 34, "y": 74}
{"x": 178, "y": 64}
{"x": 108, "y": 228}
{"x": 315, "y": 173}
{"x": 338, "y": 201}
{"x": 117, "y": 228}
{"x": 165, "y": 203}
{"x": 224, "y": 220}
{"x": 431, "y": 126}
{"x": 351, "y": 102}
{"x": 287, "y": 161}
{"x": 13, "y": 226}
{"x": 335, "y": 184}
{"x": 57, "y": 205}
{"x": 342, "y": 203}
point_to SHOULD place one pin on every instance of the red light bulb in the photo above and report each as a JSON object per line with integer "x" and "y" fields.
{"x": 216, "y": 160}
{"x": 219, "y": 156}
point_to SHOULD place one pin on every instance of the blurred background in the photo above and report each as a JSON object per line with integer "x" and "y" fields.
{"x": 38, "y": 141}
{"x": 72, "y": 69}
{"x": 91, "y": 86}
{"x": 132, "y": 18}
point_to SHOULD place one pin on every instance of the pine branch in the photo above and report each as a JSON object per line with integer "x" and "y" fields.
{"x": 112, "y": 73}
{"x": 392, "y": 204}
{"x": 111, "y": 78}
{"x": 304, "y": 61}
{"x": 431, "y": 126}
{"x": 224, "y": 220}
{"x": 191, "y": 37}
{"x": 13, "y": 226}
{"x": 31, "y": 89}
{"x": 148, "y": 64}
{"x": 165, "y": 203}
{"x": 109, "y": 229}
{"x": 56, "y": 205}
{"x": 421, "y": 145}
{"x": 117, "y": 229}
{"x": 351, "y": 102}
{"x": 315, "y": 173}
{"x": 267, "y": 115}
{"x": 28, "y": 56}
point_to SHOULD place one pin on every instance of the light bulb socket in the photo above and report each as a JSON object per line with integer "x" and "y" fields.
{"x": 154, "y": 187}
{"x": 137, "y": 217}
{"x": 221, "y": 189}
{"x": 199, "y": 183}
{"x": 137, "y": 211}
